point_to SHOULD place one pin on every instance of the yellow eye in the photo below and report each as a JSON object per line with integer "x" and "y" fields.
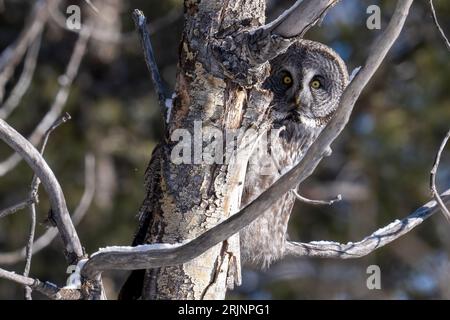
{"x": 315, "y": 84}
{"x": 287, "y": 80}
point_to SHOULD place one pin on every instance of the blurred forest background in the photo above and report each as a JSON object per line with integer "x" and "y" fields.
{"x": 380, "y": 164}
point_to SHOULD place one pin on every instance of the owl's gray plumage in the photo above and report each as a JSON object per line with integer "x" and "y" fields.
{"x": 299, "y": 111}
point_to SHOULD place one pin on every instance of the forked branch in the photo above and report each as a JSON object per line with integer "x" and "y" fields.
{"x": 378, "y": 239}
{"x": 60, "y": 213}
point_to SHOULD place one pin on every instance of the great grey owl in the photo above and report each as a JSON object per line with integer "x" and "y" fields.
{"x": 307, "y": 82}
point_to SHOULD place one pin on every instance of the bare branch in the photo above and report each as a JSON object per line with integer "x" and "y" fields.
{"x": 33, "y": 193}
{"x": 438, "y": 26}
{"x": 141, "y": 25}
{"x": 17, "y": 207}
{"x": 433, "y": 174}
{"x": 316, "y": 202}
{"x": 50, "y": 234}
{"x": 35, "y": 181}
{"x": 47, "y": 288}
{"x": 378, "y": 239}
{"x": 73, "y": 248}
{"x": 29, "y": 249}
{"x": 24, "y": 81}
{"x": 151, "y": 258}
{"x": 12, "y": 276}
{"x": 59, "y": 102}
{"x": 299, "y": 18}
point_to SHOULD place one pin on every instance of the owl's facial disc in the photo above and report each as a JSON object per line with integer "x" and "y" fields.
{"x": 314, "y": 93}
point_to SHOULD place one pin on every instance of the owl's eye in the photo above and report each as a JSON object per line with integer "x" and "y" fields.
{"x": 315, "y": 84}
{"x": 287, "y": 80}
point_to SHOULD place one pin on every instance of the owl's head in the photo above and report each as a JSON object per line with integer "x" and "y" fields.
{"x": 307, "y": 82}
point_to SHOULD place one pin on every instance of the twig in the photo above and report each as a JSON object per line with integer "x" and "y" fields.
{"x": 153, "y": 258}
{"x": 33, "y": 193}
{"x": 72, "y": 245}
{"x": 58, "y": 104}
{"x": 63, "y": 119}
{"x": 433, "y": 174}
{"x": 378, "y": 239}
{"x": 316, "y": 202}
{"x": 24, "y": 81}
{"x": 47, "y": 288}
{"x": 438, "y": 26}
{"x": 141, "y": 25}
{"x": 66, "y": 117}
{"x": 21, "y": 205}
{"x": 29, "y": 249}
{"x": 78, "y": 214}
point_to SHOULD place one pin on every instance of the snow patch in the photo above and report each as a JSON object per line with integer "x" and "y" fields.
{"x": 140, "y": 248}
{"x": 325, "y": 243}
{"x": 74, "y": 280}
{"x": 169, "y": 106}
{"x": 354, "y": 73}
{"x": 387, "y": 228}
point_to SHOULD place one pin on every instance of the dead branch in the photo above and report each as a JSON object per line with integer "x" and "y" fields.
{"x": 433, "y": 174}
{"x": 73, "y": 248}
{"x": 47, "y": 288}
{"x": 299, "y": 18}
{"x": 438, "y": 26}
{"x": 80, "y": 211}
{"x": 141, "y": 25}
{"x": 378, "y": 239}
{"x": 29, "y": 248}
{"x": 17, "y": 207}
{"x": 35, "y": 182}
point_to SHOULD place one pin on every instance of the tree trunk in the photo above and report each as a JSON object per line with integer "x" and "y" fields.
{"x": 184, "y": 200}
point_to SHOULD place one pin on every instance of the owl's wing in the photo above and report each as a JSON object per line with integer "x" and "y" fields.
{"x": 263, "y": 241}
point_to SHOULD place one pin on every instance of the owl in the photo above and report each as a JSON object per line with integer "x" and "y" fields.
{"x": 307, "y": 82}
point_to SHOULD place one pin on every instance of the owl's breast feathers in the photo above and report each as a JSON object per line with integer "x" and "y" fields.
{"x": 263, "y": 241}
